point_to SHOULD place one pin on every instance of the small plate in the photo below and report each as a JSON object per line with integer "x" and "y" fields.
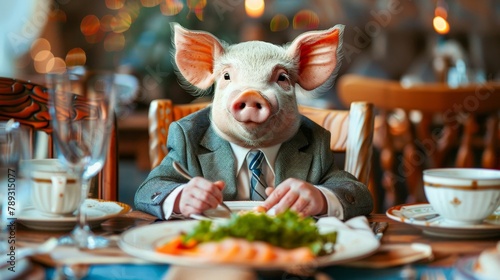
{"x": 389, "y": 255}
{"x": 142, "y": 242}
{"x": 97, "y": 211}
{"x": 423, "y": 216}
{"x": 465, "y": 270}
{"x": 221, "y": 213}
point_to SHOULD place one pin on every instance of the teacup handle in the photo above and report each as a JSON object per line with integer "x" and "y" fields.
{"x": 58, "y": 187}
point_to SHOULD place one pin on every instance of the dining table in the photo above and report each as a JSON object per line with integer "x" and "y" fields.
{"x": 113, "y": 263}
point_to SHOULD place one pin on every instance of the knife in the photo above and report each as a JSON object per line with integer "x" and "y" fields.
{"x": 379, "y": 229}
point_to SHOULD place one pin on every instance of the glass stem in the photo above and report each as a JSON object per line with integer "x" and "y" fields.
{"x": 82, "y": 234}
{"x": 82, "y": 217}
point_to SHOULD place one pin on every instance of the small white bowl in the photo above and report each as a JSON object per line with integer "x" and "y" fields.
{"x": 463, "y": 196}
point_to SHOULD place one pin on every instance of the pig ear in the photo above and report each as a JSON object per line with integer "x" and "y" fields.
{"x": 195, "y": 53}
{"x": 318, "y": 54}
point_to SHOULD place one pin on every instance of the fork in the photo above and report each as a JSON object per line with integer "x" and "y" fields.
{"x": 378, "y": 229}
{"x": 183, "y": 172}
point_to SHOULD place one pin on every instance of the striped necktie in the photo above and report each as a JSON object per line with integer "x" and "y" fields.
{"x": 257, "y": 181}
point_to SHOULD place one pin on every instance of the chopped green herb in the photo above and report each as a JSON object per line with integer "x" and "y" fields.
{"x": 287, "y": 230}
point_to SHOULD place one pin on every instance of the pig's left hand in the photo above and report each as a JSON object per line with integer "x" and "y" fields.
{"x": 296, "y": 195}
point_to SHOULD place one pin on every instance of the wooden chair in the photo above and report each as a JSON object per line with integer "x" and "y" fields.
{"x": 27, "y": 103}
{"x": 352, "y": 131}
{"x": 430, "y": 125}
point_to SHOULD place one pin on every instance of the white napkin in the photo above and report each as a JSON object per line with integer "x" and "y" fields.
{"x": 387, "y": 255}
{"x": 359, "y": 224}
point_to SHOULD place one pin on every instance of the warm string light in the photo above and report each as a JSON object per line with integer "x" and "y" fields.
{"x": 305, "y": 19}
{"x": 255, "y": 8}
{"x": 279, "y": 23}
{"x": 110, "y": 29}
{"x": 171, "y": 7}
{"x": 440, "y": 21}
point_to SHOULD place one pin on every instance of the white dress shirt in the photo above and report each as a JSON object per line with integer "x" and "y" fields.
{"x": 243, "y": 182}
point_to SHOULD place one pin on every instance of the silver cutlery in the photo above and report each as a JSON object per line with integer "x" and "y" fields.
{"x": 378, "y": 229}
{"x": 183, "y": 172}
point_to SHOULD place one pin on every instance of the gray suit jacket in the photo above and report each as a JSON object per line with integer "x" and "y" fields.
{"x": 307, "y": 156}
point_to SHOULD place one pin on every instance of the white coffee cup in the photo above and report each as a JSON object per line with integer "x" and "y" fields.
{"x": 54, "y": 191}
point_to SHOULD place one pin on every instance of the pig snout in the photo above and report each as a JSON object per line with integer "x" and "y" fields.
{"x": 250, "y": 106}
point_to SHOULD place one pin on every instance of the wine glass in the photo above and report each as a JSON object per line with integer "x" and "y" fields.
{"x": 82, "y": 114}
{"x": 10, "y": 155}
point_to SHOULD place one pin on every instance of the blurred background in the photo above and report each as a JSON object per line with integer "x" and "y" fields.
{"x": 392, "y": 39}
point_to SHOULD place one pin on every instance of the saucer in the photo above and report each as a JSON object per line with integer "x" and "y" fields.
{"x": 424, "y": 217}
{"x": 97, "y": 211}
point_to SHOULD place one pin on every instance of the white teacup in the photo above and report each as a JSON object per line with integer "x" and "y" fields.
{"x": 463, "y": 196}
{"x": 55, "y": 191}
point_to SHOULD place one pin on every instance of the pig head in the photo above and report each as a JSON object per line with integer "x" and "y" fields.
{"x": 254, "y": 103}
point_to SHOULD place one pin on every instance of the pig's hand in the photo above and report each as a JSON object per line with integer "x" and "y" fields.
{"x": 198, "y": 195}
{"x": 296, "y": 195}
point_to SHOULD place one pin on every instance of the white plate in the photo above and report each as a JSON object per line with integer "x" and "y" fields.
{"x": 221, "y": 213}
{"x": 142, "y": 241}
{"x": 465, "y": 270}
{"x": 97, "y": 212}
{"x": 423, "y": 216}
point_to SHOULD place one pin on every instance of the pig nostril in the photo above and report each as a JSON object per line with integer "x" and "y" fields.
{"x": 242, "y": 106}
{"x": 259, "y": 106}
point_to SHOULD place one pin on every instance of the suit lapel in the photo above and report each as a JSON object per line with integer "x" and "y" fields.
{"x": 291, "y": 162}
{"x": 219, "y": 164}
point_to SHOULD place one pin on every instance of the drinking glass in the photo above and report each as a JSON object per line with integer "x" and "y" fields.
{"x": 10, "y": 155}
{"x": 82, "y": 113}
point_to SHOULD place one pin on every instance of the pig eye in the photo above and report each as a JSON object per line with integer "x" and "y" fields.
{"x": 227, "y": 77}
{"x": 282, "y": 77}
{"x": 283, "y": 81}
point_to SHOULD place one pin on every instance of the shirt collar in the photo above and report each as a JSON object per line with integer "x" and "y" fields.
{"x": 240, "y": 154}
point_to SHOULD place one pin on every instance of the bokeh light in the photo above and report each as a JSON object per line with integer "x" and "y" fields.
{"x": 305, "y": 19}
{"x": 121, "y": 22}
{"x": 39, "y": 45}
{"x": 114, "y": 42}
{"x": 106, "y": 22}
{"x": 255, "y": 8}
{"x": 55, "y": 65}
{"x": 76, "y": 57}
{"x": 90, "y": 25}
{"x": 115, "y": 4}
{"x": 43, "y": 55}
{"x": 441, "y": 12}
{"x": 133, "y": 8}
{"x": 150, "y": 3}
{"x": 171, "y": 7}
{"x": 58, "y": 15}
{"x": 441, "y": 25}
{"x": 279, "y": 23}
{"x": 41, "y": 60}
{"x": 197, "y": 6}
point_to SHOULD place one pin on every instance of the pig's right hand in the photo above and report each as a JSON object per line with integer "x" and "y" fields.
{"x": 198, "y": 195}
